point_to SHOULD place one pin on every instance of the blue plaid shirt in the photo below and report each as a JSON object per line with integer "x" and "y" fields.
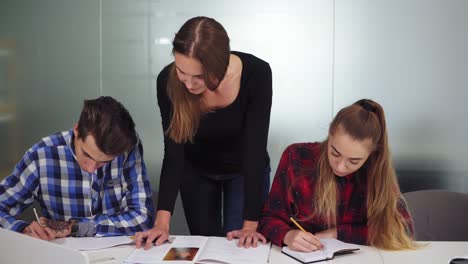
{"x": 116, "y": 197}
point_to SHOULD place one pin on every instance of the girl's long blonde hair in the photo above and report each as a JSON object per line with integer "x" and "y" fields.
{"x": 205, "y": 40}
{"x": 387, "y": 228}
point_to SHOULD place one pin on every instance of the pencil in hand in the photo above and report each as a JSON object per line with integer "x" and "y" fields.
{"x": 297, "y": 224}
{"x": 321, "y": 246}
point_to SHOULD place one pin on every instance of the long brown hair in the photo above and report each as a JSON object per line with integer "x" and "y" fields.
{"x": 205, "y": 40}
{"x": 387, "y": 228}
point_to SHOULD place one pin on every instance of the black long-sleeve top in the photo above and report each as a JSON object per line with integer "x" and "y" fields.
{"x": 229, "y": 140}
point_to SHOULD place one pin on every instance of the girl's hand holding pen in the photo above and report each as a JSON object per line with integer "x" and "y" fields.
{"x": 301, "y": 240}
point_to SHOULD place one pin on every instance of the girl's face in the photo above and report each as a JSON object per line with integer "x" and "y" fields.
{"x": 190, "y": 72}
{"x": 345, "y": 154}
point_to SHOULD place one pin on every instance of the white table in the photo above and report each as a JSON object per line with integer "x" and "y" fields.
{"x": 434, "y": 252}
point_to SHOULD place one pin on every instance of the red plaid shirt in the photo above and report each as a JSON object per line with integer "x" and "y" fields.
{"x": 292, "y": 194}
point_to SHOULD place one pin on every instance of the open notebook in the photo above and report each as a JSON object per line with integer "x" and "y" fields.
{"x": 201, "y": 249}
{"x": 332, "y": 247}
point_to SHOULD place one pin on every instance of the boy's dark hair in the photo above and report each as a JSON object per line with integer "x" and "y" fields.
{"x": 110, "y": 123}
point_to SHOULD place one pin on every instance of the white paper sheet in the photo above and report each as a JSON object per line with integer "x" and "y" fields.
{"x": 92, "y": 243}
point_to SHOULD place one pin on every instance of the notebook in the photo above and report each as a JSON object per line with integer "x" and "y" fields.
{"x": 21, "y": 249}
{"x": 332, "y": 247}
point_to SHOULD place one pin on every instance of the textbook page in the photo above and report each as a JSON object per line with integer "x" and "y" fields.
{"x": 183, "y": 249}
{"x": 201, "y": 249}
{"x": 92, "y": 243}
{"x": 220, "y": 249}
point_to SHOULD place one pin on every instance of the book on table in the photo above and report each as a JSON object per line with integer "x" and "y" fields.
{"x": 332, "y": 247}
{"x": 200, "y": 249}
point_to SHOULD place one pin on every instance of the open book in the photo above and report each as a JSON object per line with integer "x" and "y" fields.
{"x": 332, "y": 247}
{"x": 200, "y": 249}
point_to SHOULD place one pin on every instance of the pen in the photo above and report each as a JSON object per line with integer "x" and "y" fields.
{"x": 37, "y": 216}
{"x": 297, "y": 224}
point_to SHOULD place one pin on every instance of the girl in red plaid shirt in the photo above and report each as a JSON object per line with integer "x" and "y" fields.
{"x": 344, "y": 188}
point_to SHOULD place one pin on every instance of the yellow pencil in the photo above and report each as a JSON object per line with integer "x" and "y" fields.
{"x": 297, "y": 224}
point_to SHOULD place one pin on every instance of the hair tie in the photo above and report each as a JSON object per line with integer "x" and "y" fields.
{"x": 367, "y": 106}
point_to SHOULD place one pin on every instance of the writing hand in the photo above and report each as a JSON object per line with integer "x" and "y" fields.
{"x": 36, "y": 230}
{"x": 302, "y": 241}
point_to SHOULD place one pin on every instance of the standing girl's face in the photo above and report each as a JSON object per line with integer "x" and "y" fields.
{"x": 190, "y": 72}
{"x": 346, "y": 154}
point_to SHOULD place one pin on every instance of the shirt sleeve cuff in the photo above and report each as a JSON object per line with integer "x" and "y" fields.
{"x": 18, "y": 226}
{"x": 86, "y": 229}
{"x": 277, "y": 236}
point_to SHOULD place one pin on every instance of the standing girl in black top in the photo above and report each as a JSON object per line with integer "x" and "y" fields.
{"x": 215, "y": 109}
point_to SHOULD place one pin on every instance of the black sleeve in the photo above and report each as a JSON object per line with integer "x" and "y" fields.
{"x": 255, "y": 137}
{"x": 173, "y": 162}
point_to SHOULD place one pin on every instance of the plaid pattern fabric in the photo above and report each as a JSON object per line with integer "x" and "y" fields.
{"x": 116, "y": 197}
{"x": 292, "y": 194}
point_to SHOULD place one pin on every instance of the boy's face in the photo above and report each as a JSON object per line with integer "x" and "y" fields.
{"x": 88, "y": 155}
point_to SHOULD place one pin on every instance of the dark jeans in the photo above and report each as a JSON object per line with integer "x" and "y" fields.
{"x": 205, "y": 195}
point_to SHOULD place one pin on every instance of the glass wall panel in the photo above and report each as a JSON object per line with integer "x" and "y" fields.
{"x": 411, "y": 57}
{"x": 54, "y": 62}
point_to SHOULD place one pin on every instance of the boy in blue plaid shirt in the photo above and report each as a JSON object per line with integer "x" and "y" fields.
{"x": 89, "y": 181}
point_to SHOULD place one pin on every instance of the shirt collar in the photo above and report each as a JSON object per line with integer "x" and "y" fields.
{"x": 71, "y": 142}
